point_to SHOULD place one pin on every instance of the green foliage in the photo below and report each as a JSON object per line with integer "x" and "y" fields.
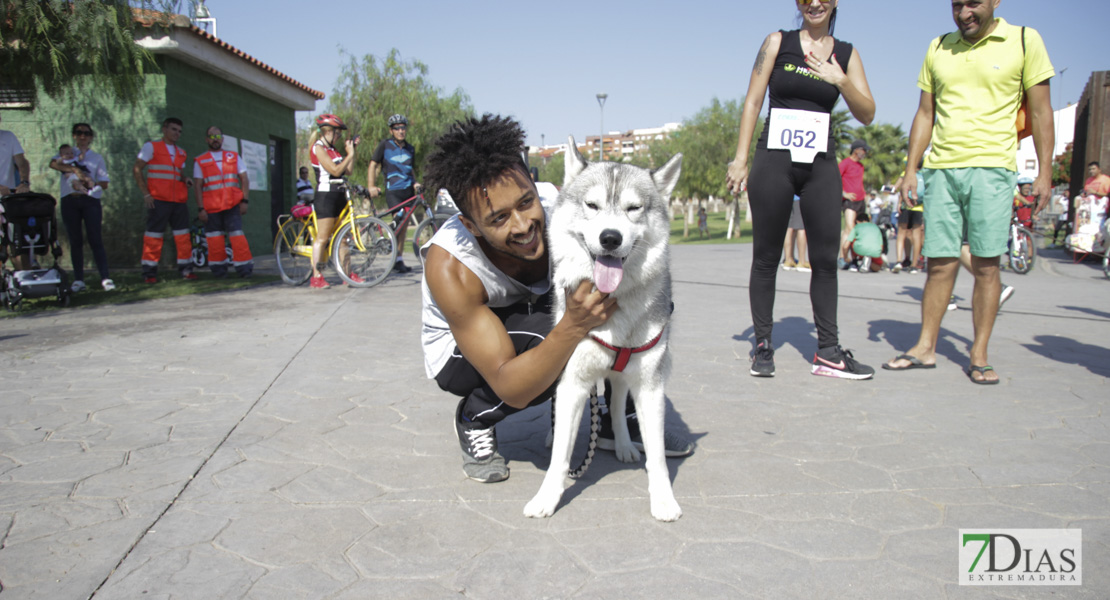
{"x": 49, "y": 42}
{"x": 1061, "y": 168}
{"x": 888, "y": 144}
{"x": 707, "y": 143}
{"x": 371, "y": 89}
{"x": 842, "y": 132}
{"x": 551, "y": 171}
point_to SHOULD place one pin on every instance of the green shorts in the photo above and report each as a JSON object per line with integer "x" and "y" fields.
{"x": 973, "y": 204}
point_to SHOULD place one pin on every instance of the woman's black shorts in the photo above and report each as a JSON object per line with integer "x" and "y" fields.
{"x": 328, "y": 205}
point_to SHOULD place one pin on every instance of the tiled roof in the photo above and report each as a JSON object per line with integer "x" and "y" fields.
{"x": 148, "y": 18}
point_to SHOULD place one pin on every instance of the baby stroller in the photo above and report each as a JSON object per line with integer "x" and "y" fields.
{"x": 28, "y": 227}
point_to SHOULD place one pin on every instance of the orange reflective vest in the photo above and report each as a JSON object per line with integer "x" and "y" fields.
{"x": 220, "y": 187}
{"x": 163, "y": 174}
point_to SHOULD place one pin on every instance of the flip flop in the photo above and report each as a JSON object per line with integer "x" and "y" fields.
{"x": 915, "y": 363}
{"x": 982, "y": 371}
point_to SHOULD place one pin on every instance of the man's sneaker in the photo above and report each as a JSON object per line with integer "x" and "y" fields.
{"x": 763, "y": 359}
{"x": 355, "y": 278}
{"x": 896, "y": 268}
{"x": 838, "y": 362}
{"x": 401, "y": 267}
{"x": 78, "y": 286}
{"x": 914, "y": 270}
{"x": 1007, "y": 291}
{"x": 190, "y": 276}
{"x": 841, "y": 264}
{"x": 804, "y": 267}
{"x": 481, "y": 461}
{"x": 674, "y": 446}
{"x": 318, "y": 283}
{"x": 150, "y": 279}
{"x": 789, "y": 265}
{"x": 952, "y": 303}
{"x": 108, "y": 285}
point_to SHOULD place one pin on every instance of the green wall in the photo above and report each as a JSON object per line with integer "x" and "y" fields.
{"x": 197, "y": 98}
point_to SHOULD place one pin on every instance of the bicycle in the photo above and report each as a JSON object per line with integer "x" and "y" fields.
{"x": 362, "y": 250}
{"x": 1022, "y": 251}
{"x": 425, "y": 229}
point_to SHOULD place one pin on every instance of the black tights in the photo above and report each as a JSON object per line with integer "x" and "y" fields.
{"x": 772, "y": 185}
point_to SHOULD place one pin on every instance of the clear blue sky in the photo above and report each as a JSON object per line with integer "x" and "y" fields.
{"x": 544, "y": 62}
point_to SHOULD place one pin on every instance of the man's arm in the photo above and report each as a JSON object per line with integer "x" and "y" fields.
{"x": 137, "y": 173}
{"x": 484, "y": 341}
{"x": 1044, "y": 140}
{"x": 245, "y": 185}
{"x": 921, "y": 133}
{"x": 372, "y": 178}
{"x": 24, "y": 173}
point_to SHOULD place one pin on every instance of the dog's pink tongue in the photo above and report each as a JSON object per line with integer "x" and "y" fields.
{"x": 608, "y": 271}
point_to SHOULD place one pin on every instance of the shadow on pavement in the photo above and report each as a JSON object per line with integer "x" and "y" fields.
{"x": 902, "y": 335}
{"x": 798, "y": 332}
{"x": 1089, "y": 311}
{"x": 1095, "y": 359}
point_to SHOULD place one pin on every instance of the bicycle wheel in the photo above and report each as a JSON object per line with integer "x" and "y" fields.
{"x": 1022, "y": 254}
{"x": 424, "y": 232}
{"x": 365, "y": 255}
{"x": 293, "y": 251}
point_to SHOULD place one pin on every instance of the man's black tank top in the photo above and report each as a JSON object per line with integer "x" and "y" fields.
{"x": 793, "y": 86}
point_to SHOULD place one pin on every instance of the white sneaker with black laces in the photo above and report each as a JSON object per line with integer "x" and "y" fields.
{"x": 481, "y": 461}
{"x": 835, "y": 361}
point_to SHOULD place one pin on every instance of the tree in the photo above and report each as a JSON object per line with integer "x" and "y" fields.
{"x": 1061, "y": 167}
{"x": 553, "y": 170}
{"x": 842, "y": 133}
{"x": 371, "y": 89}
{"x": 48, "y": 43}
{"x": 707, "y": 143}
{"x": 888, "y": 148}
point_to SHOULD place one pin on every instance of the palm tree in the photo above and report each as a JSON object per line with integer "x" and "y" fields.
{"x": 888, "y": 144}
{"x": 842, "y": 133}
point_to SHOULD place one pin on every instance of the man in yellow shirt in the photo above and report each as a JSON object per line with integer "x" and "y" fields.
{"x": 972, "y": 84}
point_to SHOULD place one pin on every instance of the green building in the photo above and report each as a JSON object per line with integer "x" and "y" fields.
{"x": 201, "y": 80}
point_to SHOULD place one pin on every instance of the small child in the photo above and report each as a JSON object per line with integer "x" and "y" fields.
{"x": 67, "y": 155}
{"x": 866, "y": 240}
{"x": 703, "y": 223}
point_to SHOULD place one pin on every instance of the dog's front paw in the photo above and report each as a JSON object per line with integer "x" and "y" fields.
{"x": 627, "y": 453}
{"x": 665, "y": 509}
{"x": 542, "y": 505}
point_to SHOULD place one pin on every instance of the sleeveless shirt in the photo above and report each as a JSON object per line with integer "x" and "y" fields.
{"x": 794, "y": 86}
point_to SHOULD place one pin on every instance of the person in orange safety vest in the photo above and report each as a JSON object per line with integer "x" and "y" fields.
{"x": 165, "y": 192}
{"x": 223, "y": 197}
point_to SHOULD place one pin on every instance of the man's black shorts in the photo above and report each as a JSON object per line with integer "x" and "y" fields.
{"x": 911, "y": 219}
{"x": 856, "y": 205}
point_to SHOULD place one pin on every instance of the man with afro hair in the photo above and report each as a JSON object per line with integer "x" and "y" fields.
{"x": 488, "y": 333}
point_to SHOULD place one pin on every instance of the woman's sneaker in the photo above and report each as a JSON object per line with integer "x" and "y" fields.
{"x": 763, "y": 359}
{"x": 108, "y": 285}
{"x": 838, "y": 362}
{"x": 318, "y": 283}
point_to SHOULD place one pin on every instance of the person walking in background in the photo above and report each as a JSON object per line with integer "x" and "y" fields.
{"x": 855, "y": 199}
{"x": 165, "y": 191}
{"x": 805, "y": 72}
{"x": 972, "y": 84}
{"x": 911, "y": 227}
{"x": 84, "y": 177}
{"x": 795, "y": 238}
{"x": 397, "y": 159}
{"x": 223, "y": 197}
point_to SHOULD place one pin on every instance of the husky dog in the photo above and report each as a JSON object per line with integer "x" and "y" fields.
{"x": 610, "y": 224}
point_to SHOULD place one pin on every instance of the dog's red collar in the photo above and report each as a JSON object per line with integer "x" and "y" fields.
{"x": 624, "y": 354}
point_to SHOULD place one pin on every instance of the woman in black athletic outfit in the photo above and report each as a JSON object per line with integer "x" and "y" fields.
{"x": 806, "y": 71}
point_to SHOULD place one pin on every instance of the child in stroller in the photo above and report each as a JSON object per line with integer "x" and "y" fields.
{"x": 28, "y": 228}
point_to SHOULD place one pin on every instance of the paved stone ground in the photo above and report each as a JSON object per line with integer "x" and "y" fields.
{"x": 284, "y": 443}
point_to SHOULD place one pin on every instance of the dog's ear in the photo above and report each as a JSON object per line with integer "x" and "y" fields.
{"x": 666, "y": 177}
{"x": 573, "y": 163}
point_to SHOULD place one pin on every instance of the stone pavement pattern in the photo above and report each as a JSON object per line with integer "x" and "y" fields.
{"x": 284, "y": 443}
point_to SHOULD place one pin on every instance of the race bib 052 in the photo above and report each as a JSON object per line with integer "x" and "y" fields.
{"x": 804, "y": 133}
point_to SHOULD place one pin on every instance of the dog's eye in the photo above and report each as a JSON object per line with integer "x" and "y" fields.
{"x": 634, "y": 208}
{"x": 591, "y": 205}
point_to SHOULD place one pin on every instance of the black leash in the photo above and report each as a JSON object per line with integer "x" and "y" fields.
{"x": 595, "y": 427}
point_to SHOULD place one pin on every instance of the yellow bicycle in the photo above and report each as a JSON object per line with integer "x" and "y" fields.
{"x": 363, "y": 248}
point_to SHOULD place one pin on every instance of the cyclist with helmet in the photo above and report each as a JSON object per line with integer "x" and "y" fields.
{"x": 397, "y": 158}
{"x": 1025, "y": 201}
{"x": 330, "y": 167}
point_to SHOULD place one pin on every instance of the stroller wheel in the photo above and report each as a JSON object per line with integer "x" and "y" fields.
{"x": 200, "y": 257}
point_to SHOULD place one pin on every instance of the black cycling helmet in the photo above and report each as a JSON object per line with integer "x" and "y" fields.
{"x": 398, "y": 119}
{"x": 330, "y": 120}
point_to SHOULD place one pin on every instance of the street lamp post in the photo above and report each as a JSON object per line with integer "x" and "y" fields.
{"x": 601, "y": 140}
